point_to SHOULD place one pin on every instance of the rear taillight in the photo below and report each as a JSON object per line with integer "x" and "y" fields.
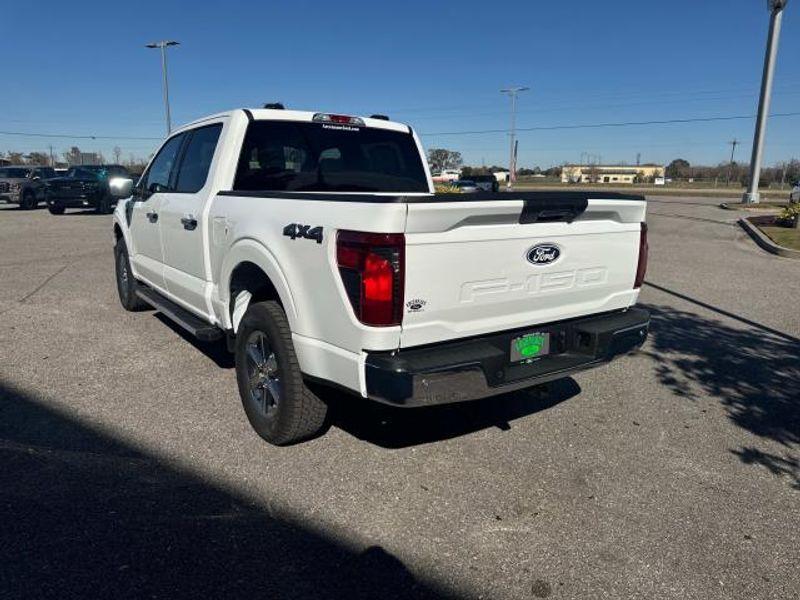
{"x": 372, "y": 267}
{"x": 641, "y": 268}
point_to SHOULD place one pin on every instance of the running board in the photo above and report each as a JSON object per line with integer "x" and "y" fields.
{"x": 180, "y": 316}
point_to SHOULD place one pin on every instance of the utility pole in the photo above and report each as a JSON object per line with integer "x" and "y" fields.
{"x": 638, "y": 159}
{"x": 776, "y": 17}
{"x": 52, "y": 162}
{"x": 734, "y": 142}
{"x": 512, "y": 92}
{"x": 163, "y": 45}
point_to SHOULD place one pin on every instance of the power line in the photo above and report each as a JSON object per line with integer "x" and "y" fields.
{"x": 472, "y": 132}
{"x": 559, "y": 95}
{"x": 78, "y": 137}
{"x": 621, "y": 124}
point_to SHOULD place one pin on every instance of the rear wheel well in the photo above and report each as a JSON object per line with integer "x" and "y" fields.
{"x": 249, "y": 276}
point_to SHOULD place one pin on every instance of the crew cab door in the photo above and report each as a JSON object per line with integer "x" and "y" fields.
{"x": 183, "y": 226}
{"x": 146, "y": 254}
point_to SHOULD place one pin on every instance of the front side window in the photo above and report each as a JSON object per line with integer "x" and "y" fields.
{"x": 158, "y": 175}
{"x": 14, "y": 173}
{"x": 318, "y": 157}
{"x": 197, "y": 159}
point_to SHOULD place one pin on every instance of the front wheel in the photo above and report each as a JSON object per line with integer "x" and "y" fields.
{"x": 126, "y": 284}
{"x": 103, "y": 206}
{"x": 276, "y": 400}
{"x": 56, "y": 208}
{"x": 28, "y": 200}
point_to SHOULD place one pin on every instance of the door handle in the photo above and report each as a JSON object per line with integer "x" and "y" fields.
{"x": 189, "y": 222}
{"x": 152, "y": 216}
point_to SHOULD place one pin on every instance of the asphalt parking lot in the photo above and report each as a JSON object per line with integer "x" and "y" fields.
{"x": 128, "y": 469}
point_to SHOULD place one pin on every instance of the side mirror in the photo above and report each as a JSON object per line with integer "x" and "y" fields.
{"x": 120, "y": 187}
{"x": 155, "y": 188}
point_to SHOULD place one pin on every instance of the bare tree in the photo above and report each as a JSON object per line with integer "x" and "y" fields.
{"x": 593, "y": 173}
{"x": 38, "y": 158}
{"x": 117, "y": 154}
{"x": 72, "y": 156}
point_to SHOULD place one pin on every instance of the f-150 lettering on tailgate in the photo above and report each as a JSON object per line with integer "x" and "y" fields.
{"x": 537, "y": 283}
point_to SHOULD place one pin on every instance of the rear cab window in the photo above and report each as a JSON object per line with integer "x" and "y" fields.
{"x": 302, "y": 156}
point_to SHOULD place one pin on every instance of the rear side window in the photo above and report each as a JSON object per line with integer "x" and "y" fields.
{"x": 159, "y": 172}
{"x": 318, "y": 157}
{"x": 197, "y": 159}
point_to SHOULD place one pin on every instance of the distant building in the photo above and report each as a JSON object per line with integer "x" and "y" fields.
{"x": 627, "y": 174}
{"x": 501, "y": 176}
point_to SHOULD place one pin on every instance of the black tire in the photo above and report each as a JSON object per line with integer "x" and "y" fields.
{"x": 56, "y": 208}
{"x": 28, "y": 201}
{"x": 126, "y": 284}
{"x": 280, "y": 407}
{"x": 104, "y": 206}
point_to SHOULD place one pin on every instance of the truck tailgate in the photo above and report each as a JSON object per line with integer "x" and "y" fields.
{"x": 471, "y": 266}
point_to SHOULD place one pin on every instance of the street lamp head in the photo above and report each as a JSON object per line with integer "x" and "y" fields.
{"x": 162, "y": 44}
{"x": 514, "y": 90}
{"x": 775, "y": 5}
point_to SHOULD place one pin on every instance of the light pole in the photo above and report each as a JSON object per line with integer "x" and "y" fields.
{"x": 163, "y": 45}
{"x": 733, "y": 143}
{"x": 776, "y": 16}
{"x": 512, "y": 167}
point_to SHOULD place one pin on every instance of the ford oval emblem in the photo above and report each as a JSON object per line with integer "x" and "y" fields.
{"x": 543, "y": 254}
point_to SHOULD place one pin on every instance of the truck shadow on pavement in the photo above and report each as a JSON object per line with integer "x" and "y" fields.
{"x": 751, "y": 370}
{"x": 391, "y": 427}
{"x": 83, "y": 515}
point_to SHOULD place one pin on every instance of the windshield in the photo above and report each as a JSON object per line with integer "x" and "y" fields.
{"x": 84, "y": 173}
{"x": 13, "y": 173}
{"x": 300, "y": 156}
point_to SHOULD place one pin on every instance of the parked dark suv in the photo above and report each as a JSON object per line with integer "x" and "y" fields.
{"x": 485, "y": 183}
{"x": 24, "y": 184}
{"x": 85, "y": 186}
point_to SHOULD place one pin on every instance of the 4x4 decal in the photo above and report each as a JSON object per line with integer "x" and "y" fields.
{"x": 295, "y": 230}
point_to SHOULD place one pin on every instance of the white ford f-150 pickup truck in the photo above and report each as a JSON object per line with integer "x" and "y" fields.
{"x": 314, "y": 243}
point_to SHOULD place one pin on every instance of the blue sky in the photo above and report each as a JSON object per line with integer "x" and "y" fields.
{"x": 435, "y": 65}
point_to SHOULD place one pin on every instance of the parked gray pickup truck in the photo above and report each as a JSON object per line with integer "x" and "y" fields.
{"x": 24, "y": 184}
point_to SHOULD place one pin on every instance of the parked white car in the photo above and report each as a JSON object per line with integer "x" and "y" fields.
{"x": 314, "y": 244}
{"x": 447, "y": 176}
{"x": 794, "y": 195}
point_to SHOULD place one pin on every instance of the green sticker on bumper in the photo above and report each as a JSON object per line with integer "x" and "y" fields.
{"x": 531, "y": 345}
